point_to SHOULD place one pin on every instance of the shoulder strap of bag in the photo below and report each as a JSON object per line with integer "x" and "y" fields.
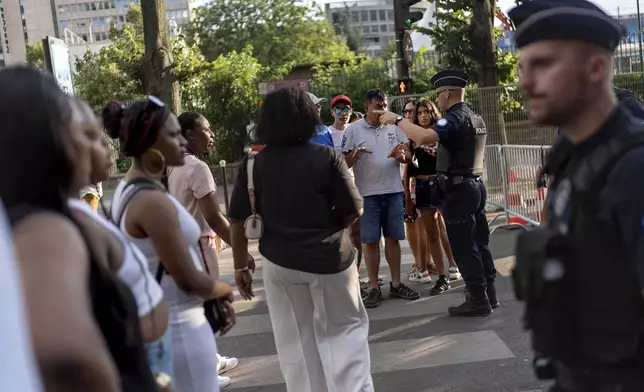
{"x": 139, "y": 184}
{"x": 251, "y": 182}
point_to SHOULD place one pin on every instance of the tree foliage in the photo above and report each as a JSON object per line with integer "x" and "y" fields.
{"x": 116, "y": 70}
{"x": 455, "y": 36}
{"x": 227, "y": 95}
{"x": 36, "y": 55}
{"x": 281, "y": 33}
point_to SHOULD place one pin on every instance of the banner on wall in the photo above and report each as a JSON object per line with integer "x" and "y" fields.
{"x": 4, "y": 40}
{"x": 57, "y": 61}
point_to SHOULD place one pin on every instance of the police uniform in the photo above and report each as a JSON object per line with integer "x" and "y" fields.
{"x": 588, "y": 336}
{"x": 462, "y": 134}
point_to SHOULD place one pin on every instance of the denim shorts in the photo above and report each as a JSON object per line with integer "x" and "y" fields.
{"x": 428, "y": 195}
{"x": 160, "y": 354}
{"x": 383, "y": 213}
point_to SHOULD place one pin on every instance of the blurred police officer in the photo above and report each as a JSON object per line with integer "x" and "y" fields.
{"x": 462, "y": 134}
{"x": 588, "y": 336}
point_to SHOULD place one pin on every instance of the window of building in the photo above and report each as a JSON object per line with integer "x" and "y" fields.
{"x": 374, "y": 15}
{"x": 392, "y": 27}
{"x": 390, "y": 14}
{"x": 84, "y": 37}
{"x": 364, "y": 16}
{"x": 365, "y": 29}
{"x": 374, "y": 29}
{"x": 355, "y": 16}
{"x": 383, "y": 28}
{"x": 382, "y": 14}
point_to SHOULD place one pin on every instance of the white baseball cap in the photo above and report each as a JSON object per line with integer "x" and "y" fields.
{"x": 315, "y": 99}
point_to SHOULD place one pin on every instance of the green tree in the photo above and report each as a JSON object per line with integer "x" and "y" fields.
{"x": 226, "y": 93}
{"x": 159, "y": 77}
{"x": 466, "y": 39}
{"x": 117, "y": 70}
{"x": 281, "y": 33}
{"x": 36, "y": 55}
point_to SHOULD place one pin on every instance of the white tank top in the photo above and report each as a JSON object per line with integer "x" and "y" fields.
{"x": 180, "y": 302}
{"x": 18, "y": 370}
{"x": 134, "y": 271}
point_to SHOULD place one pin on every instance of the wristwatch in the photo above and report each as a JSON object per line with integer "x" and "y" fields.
{"x": 399, "y": 119}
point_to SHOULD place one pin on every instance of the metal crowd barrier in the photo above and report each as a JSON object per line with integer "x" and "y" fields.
{"x": 510, "y": 176}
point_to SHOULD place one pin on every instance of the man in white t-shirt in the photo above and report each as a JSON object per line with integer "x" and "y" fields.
{"x": 368, "y": 148}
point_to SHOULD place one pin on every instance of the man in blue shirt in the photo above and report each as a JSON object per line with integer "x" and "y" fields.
{"x": 323, "y": 134}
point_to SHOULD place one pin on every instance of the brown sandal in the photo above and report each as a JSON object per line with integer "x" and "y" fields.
{"x": 432, "y": 269}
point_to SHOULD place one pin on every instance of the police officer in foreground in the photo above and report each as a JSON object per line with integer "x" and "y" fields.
{"x": 461, "y": 134}
{"x": 588, "y": 336}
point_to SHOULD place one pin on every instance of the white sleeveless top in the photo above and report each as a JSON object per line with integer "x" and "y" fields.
{"x": 18, "y": 370}
{"x": 181, "y": 303}
{"x": 134, "y": 271}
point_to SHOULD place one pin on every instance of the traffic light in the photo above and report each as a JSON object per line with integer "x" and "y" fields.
{"x": 404, "y": 86}
{"x": 404, "y": 16}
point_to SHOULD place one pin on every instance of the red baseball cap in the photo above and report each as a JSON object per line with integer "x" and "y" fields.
{"x": 340, "y": 98}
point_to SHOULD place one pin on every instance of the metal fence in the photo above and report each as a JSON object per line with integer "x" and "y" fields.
{"x": 511, "y": 173}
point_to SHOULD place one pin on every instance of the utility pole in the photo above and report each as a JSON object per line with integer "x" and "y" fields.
{"x": 404, "y": 18}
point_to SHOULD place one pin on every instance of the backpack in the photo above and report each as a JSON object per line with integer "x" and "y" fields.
{"x": 629, "y": 100}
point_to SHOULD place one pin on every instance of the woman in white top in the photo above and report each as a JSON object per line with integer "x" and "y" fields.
{"x": 125, "y": 259}
{"x": 167, "y": 234}
{"x": 17, "y": 365}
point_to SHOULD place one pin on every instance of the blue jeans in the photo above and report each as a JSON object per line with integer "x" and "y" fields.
{"x": 160, "y": 354}
{"x": 383, "y": 213}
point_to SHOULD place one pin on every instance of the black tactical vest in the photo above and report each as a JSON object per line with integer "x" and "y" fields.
{"x": 466, "y": 157}
{"x": 595, "y": 326}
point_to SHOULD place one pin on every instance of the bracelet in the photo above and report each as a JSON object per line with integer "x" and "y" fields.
{"x": 241, "y": 269}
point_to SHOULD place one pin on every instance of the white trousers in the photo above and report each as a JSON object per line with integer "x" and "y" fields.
{"x": 195, "y": 352}
{"x": 321, "y": 329}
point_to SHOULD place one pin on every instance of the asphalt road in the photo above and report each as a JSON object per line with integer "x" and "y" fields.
{"x": 415, "y": 346}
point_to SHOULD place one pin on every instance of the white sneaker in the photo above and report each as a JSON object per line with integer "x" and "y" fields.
{"x": 225, "y": 364}
{"x": 454, "y": 274}
{"x": 420, "y": 277}
{"x": 412, "y": 271}
{"x": 223, "y": 381}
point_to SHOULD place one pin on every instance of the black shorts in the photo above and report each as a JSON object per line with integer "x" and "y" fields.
{"x": 428, "y": 195}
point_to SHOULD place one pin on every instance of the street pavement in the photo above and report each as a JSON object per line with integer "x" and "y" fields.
{"x": 415, "y": 346}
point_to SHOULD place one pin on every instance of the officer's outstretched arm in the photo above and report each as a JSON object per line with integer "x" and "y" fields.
{"x": 417, "y": 134}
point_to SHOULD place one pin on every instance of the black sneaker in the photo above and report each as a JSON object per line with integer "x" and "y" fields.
{"x": 373, "y": 298}
{"x": 364, "y": 292}
{"x": 403, "y": 292}
{"x": 442, "y": 285}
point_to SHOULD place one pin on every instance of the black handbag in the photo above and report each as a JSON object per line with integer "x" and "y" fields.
{"x": 215, "y": 312}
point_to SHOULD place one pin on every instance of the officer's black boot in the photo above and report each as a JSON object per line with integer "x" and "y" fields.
{"x": 476, "y": 304}
{"x": 491, "y": 295}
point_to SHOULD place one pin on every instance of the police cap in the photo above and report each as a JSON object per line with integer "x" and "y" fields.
{"x": 451, "y": 78}
{"x": 579, "y": 20}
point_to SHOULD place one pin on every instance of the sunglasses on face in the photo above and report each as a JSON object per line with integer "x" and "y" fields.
{"x": 339, "y": 111}
{"x": 408, "y": 111}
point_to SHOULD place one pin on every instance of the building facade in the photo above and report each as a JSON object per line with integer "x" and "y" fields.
{"x": 12, "y": 40}
{"x": 375, "y": 19}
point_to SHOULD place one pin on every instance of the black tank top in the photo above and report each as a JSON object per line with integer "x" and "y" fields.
{"x": 424, "y": 163}
{"x": 116, "y": 314}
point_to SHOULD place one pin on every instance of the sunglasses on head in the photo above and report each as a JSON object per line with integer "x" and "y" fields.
{"x": 339, "y": 111}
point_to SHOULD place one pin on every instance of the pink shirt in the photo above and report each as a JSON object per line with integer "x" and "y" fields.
{"x": 188, "y": 184}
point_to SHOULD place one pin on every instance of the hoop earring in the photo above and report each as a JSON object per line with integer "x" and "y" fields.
{"x": 161, "y": 158}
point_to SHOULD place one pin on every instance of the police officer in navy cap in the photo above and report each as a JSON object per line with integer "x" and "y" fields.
{"x": 462, "y": 134}
{"x": 581, "y": 274}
